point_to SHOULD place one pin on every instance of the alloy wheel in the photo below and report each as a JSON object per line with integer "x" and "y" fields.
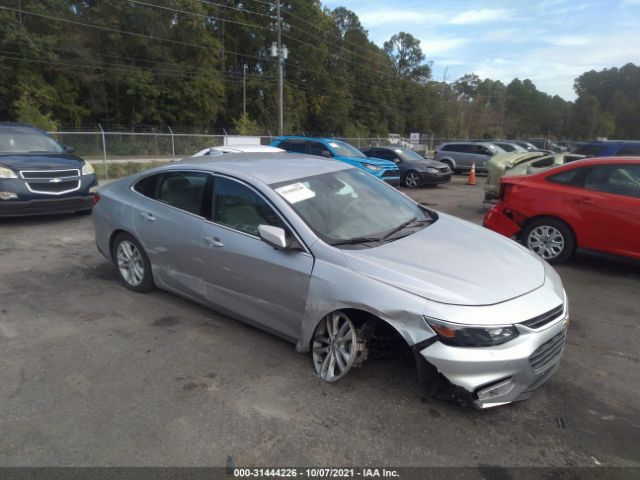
{"x": 130, "y": 263}
{"x": 546, "y": 241}
{"x": 412, "y": 180}
{"x": 336, "y": 347}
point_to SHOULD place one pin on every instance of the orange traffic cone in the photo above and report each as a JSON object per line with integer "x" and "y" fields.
{"x": 472, "y": 175}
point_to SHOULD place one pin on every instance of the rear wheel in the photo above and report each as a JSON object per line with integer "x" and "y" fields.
{"x": 132, "y": 264}
{"x": 412, "y": 179}
{"x": 336, "y": 347}
{"x": 550, "y": 238}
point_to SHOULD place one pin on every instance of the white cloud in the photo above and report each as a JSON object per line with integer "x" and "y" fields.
{"x": 375, "y": 18}
{"x": 570, "y": 40}
{"x": 436, "y": 47}
{"x": 478, "y": 16}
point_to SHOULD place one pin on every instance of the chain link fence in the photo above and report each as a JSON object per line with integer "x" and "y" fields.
{"x": 116, "y": 153}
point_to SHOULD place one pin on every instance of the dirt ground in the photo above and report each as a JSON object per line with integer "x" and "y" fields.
{"x": 93, "y": 374}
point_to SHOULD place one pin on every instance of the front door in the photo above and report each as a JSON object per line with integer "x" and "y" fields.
{"x": 243, "y": 274}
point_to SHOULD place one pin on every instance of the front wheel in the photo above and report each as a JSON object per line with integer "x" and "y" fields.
{"x": 336, "y": 347}
{"x": 132, "y": 264}
{"x": 412, "y": 179}
{"x": 552, "y": 239}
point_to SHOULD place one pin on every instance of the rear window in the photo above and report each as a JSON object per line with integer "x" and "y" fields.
{"x": 297, "y": 146}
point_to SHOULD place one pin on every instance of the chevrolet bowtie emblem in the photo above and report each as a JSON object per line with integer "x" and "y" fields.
{"x": 55, "y": 180}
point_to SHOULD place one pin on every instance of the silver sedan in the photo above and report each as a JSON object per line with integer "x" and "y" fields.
{"x": 344, "y": 266}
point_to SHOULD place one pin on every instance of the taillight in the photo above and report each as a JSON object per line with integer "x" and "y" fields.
{"x": 505, "y": 189}
{"x": 96, "y": 199}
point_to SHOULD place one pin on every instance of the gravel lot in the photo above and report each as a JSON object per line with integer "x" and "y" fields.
{"x": 93, "y": 374}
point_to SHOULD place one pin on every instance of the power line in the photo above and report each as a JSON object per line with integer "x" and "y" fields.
{"x": 251, "y": 12}
{"x": 210, "y": 17}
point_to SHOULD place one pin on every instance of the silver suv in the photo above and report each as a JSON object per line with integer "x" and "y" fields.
{"x": 461, "y": 155}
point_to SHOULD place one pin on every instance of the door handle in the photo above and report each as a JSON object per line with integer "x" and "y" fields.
{"x": 148, "y": 216}
{"x": 585, "y": 200}
{"x": 213, "y": 242}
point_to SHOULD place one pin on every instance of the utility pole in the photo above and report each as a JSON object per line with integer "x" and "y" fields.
{"x": 280, "y": 80}
{"x": 244, "y": 89}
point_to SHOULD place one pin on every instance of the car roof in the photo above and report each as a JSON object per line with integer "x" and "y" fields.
{"x": 300, "y": 137}
{"x": 270, "y": 168}
{"x": 612, "y": 142}
{"x": 247, "y": 149}
{"x": 19, "y": 126}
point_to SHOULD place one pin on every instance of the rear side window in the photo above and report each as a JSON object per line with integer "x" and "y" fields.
{"x": 616, "y": 179}
{"x": 297, "y": 146}
{"x": 629, "y": 151}
{"x": 147, "y": 186}
{"x": 385, "y": 155}
{"x": 459, "y": 147}
{"x": 183, "y": 190}
{"x": 568, "y": 177}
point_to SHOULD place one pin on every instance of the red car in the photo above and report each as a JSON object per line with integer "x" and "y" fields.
{"x": 591, "y": 206}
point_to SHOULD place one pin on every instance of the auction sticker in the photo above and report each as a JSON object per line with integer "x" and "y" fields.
{"x": 296, "y": 192}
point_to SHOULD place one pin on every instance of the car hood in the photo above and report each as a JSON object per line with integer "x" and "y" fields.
{"x": 455, "y": 262}
{"x": 37, "y": 161}
{"x": 426, "y": 163}
{"x": 371, "y": 160}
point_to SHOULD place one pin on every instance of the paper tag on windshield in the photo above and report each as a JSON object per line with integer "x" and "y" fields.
{"x": 334, "y": 145}
{"x": 296, "y": 192}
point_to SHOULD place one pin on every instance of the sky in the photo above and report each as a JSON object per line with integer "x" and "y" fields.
{"x": 550, "y": 42}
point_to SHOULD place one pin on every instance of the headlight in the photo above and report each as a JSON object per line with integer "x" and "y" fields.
{"x": 432, "y": 170}
{"x": 87, "y": 169}
{"x": 7, "y": 173}
{"x": 371, "y": 167}
{"x": 466, "y": 336}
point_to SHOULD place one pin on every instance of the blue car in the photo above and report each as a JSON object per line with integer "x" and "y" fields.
{"x": 342, "y": 151}
{"x": 609, "y": 148}
{"x": 40, "y": 176}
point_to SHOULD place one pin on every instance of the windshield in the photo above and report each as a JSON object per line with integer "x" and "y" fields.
{"x": 350, "y": 207}
{"x": 343, "y": 149}
{"x": 408, "y": 154}
{"x": 27, "y": 141}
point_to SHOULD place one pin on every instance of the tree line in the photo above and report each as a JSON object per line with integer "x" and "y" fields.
{"x": 129, "y": 63}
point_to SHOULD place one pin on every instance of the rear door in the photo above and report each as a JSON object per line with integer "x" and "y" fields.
{"x": 611, "y": 203}
{"x": 243, "y": 274}
{"x": 168, "y": 221}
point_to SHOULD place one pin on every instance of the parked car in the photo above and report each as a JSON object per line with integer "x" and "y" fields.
{"x": 326, "y": 256}
{"x": 610, "y": 148}
{"x": 341, "y": 151}
{"x": 510, "y": 147}
{"x": 526, "y": 145}
{"x": 588, "y": 206}
{"x": 415, "y": 170}
{"x": 222, "y": 149}
{"x": 40, "y": 176}
{"x": 513, "y": 164}
{"x": 459, "y": 156}
{"x": 546, "y": 144}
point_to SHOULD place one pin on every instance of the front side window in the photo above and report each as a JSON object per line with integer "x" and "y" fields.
{"x": 350, "y": 207}
{"x": 27, "y": 140}
{"x": 616, "y": 179}
{"x": 317, "y": 148}
{"x": 183, "y": 190}
{"x": 239, "y": 207}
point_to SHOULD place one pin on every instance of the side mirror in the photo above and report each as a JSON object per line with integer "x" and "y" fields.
{"x": 69, "y": 149}
{"x": 326, "y": 154}
{"x": 274, "y": 236}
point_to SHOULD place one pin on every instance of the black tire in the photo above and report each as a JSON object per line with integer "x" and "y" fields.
{"x": 141, "y": 283}
{"x": 412, "y": 179}
{"x": 550, "y": 238}
{"x": 449, "y": 163}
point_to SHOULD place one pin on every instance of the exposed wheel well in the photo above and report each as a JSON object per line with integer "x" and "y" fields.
{"x": 112, "y": 240}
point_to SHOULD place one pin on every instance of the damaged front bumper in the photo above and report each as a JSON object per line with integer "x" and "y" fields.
{"x": 504, "y": 373}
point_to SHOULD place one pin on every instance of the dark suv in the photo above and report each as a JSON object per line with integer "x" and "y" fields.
{"x": 609, "y": 148}
{"x": 39, "y": 176}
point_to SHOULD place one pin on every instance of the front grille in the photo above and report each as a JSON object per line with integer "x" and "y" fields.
{"x": 541, "y": 320}
{"x": 391, "y": 173}
{"x": 547, "y": 354}
{"x": 54, "y": 188}
{"x": 47, "y": 174}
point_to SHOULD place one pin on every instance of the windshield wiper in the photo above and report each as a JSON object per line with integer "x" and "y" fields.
{"x": 409, "y": 223}
{"x": 355, "y": 241}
